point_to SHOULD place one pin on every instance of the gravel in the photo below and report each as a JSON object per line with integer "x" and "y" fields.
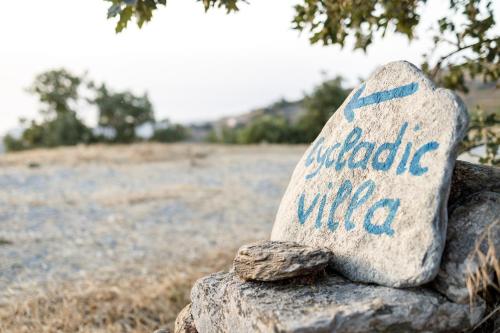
{"x": 106, "y": 211}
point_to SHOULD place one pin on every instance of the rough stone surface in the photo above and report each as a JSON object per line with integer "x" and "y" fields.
{"x": 184, "y": 322}
{"x": 469, "y": 178}
{"x": 222, "y": 302}
{"x": 272, "y": 261}
{"x": 473, "y": 227}
{"x": 373, "y": 186}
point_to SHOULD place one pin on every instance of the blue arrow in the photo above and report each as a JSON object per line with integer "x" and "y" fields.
{"x": 378, "y": 97}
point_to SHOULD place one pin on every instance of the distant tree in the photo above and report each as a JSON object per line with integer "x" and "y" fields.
{"x": 267, "y": 128}
{"x": 122, "y": 112}
{"x": 58, "y": 90}
{"x": 58, "y": 93}
{"x": 228, "y": 135}
{"x": 12, "y": 144}
{"x": 320, "y": 106}
{"x": 466, "y": 43}
{"x": 212, "y": 136}
{"x": 166, "y": 132}
{"x": 270, "y": 124}
{"x": 66, "y": 129}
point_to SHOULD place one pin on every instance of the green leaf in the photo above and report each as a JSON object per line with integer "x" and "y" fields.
{"x": 125, "y": 16}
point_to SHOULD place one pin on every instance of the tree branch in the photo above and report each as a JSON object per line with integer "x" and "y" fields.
{"x": 460, "y": 49}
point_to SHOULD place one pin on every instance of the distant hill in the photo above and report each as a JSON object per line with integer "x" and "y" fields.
{"x": 480, "y": 94}
{"x": 291, "y": 110}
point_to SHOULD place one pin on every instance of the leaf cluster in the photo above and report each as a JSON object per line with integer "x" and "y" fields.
{"x": 57, "y": 90}
{"x": 473, "y": 42}
{"x": 466, "y": 41}
{"x": 143, "y": 10}
{"x": 467, "y": 30}
{"x": 122, "y": 111}
{"x": 334, "y": 22}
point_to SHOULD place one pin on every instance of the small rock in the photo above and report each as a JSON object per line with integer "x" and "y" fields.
{"x": 222, "y": 302}
{"x": 184, "y": 322}
{"x": 473, "y": 240}
{"x": 373, "y": 186}
{"x": 468, "y": 179}
{"x": 274, "y": 260}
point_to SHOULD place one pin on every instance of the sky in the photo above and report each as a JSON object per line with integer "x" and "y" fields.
{"x": 195, "y": 66}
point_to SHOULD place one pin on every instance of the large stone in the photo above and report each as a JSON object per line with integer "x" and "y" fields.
{"x": 473, "y": 240}
{"x": 222, "y": 302}
{"x": 272, "y": 261}
{"x": 184, "y": 322}
{"x": 373, "y": 186}
{"x": 468, "y": 179}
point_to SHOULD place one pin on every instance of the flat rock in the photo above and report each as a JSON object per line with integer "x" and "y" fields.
{"x": 473, "y": 240}
{"x": 373, "y": 187}
{"x": 274, "y": 260}
{"x": 469, "y": 178}
{"x": 222, "y": 302}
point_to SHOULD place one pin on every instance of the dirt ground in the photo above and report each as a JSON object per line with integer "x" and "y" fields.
{"x": 121, "y": 232}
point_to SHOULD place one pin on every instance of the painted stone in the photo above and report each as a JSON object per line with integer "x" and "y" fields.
{"x": 222, "y": 302}
{"x": 373, "y": 186}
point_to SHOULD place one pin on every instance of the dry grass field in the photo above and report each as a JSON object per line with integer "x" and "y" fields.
{"x": 121, "y": 304}
{"x": 111, "y": 238}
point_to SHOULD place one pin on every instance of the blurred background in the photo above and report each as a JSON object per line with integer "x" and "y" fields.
{"x": 143, "y": 142}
